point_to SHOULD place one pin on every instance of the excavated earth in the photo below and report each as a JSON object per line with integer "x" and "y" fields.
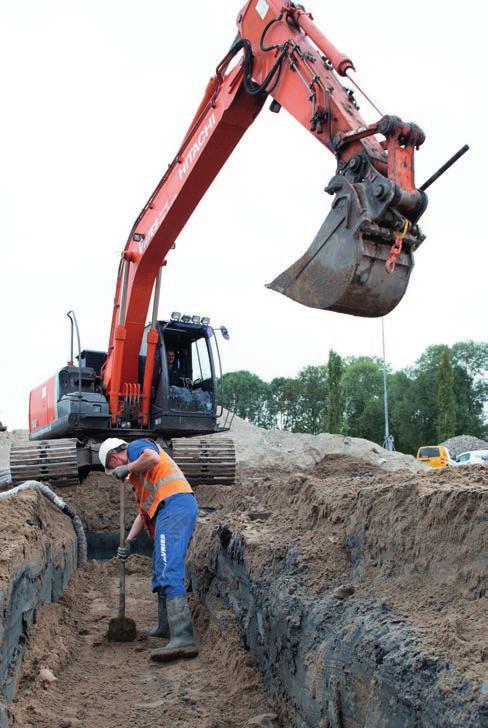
{"x": 334, "y": 586}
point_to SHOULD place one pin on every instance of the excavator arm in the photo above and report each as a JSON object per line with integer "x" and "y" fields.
{"x": 361, "y": 258}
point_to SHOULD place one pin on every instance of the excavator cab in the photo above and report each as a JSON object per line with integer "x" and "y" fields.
{"x": 186, "y": 372}
{"x": 69, "y": 413}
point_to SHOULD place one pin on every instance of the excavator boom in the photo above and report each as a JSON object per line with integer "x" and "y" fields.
{"x": 362, "y": 256}
{"x": 359, "y": 262}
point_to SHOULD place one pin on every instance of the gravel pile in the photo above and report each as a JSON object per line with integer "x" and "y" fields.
{"x": 464, "y": 443}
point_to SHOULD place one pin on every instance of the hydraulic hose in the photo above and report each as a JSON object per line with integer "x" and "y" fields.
{"x": 59, "y": 502}
{"x": 5, "y": 477}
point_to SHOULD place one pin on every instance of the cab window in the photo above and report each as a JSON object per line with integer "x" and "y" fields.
{"x": 200, "y": 360}
{"x": 190, "y": 380}
{"x": 429, "y": 452}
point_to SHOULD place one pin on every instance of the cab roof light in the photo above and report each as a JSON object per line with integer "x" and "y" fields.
{"x": 205, "y": 321}
{"x": 195, "y": 319}
{"x": 186, "y": 318}
{"x": 175, "y": 316}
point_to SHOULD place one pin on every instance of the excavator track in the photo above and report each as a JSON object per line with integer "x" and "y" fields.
{"x": 51, "y": 461}
{"x": 205, "y": 460}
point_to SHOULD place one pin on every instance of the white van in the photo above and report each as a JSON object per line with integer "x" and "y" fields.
{"x": 473, "y": 457}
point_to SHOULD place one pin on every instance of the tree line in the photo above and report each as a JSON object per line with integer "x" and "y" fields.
{"x": 443, "y": 394}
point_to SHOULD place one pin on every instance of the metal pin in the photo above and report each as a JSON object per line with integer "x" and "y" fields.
{"x": 444, "y": 167}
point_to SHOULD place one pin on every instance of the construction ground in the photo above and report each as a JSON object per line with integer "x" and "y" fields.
{"x": 334, "y": 586}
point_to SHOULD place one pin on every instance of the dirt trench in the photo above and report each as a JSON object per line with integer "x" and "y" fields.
{"x": 361, "y": 593}
{"x": 348, "y": 594}
{"x": 116, "y": 685}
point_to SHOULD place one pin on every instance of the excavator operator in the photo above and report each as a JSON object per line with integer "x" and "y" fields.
{"x": 174, "y": 372}
{"x": 168, "y": 509}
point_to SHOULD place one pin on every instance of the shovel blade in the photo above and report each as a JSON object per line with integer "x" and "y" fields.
{"x": 344, "y": 270}
{"x": 121, "y": 629}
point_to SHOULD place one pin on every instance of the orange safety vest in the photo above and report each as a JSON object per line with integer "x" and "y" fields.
{"x": 153, "y": 486}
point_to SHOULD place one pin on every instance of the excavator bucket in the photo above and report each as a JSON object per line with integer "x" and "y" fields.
{"x": 344, "y": 269}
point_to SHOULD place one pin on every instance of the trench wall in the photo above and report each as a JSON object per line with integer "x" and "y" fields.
{"x": 335, "y": 660}
{"x": 38, "y": 554}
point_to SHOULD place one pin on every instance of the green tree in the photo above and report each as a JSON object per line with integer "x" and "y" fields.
{"x": 446, "y": 422}
{"x": 311, "y": 386}
{"x": 283, "y": 402}
{"x": 363, "y": 397}
{"x": 424, "y": 394}
{"x": 335, "y": 393}
{"x": 472, "y": 356}
{"x": 470, "y": 362}
{"x": 246, "y": 394}
{"x": 444, "y": 393}
{"x": 403, "y": 411}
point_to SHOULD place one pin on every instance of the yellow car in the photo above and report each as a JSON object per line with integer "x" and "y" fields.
{"x": 437, "y": 456}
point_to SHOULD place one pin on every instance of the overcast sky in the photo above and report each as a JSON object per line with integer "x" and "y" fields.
{"x": 96, "y": 97}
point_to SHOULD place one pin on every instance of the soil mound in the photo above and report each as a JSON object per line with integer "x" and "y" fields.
{"x": 289, "y": 451}
{"x": 414, "y": 541}
{"x": 30, "y": 524}
{"x": 464, "y": 443}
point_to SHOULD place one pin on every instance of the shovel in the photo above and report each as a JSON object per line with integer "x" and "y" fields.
{"x": 122, "y": 628}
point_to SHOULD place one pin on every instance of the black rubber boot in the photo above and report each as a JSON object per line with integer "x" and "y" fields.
{"x": 162, "y": 629}
{"x": 182, "y": 640}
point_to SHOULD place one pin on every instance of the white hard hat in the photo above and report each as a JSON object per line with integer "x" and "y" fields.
{"x": 111, "y": 443}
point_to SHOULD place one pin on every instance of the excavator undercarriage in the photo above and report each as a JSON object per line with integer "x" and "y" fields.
{"x": 203, "y": 460}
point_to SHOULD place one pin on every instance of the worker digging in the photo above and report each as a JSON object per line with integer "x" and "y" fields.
{"x": 167, "y": 508}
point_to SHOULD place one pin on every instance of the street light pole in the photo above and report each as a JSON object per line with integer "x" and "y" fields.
{"x": 388, "y": 442}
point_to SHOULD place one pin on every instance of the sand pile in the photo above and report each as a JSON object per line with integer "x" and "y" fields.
{"x": 7, "y": 438}
{"x": 290, "y": 452}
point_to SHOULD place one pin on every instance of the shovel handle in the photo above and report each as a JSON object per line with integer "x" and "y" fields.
{"x": 122, "y": 543}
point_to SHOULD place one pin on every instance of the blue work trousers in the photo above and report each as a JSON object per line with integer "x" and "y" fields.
{"x": 174, "y": 524}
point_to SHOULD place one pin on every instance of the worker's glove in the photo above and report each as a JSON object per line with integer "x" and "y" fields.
{"x": 123, "y": 552}
{"x": 121, "y": 472}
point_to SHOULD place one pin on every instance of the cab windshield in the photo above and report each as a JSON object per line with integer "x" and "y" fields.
{"x": 189, "y": 370}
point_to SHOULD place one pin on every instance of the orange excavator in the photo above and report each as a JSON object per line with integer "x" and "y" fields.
{"x": 160, "y": 380}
